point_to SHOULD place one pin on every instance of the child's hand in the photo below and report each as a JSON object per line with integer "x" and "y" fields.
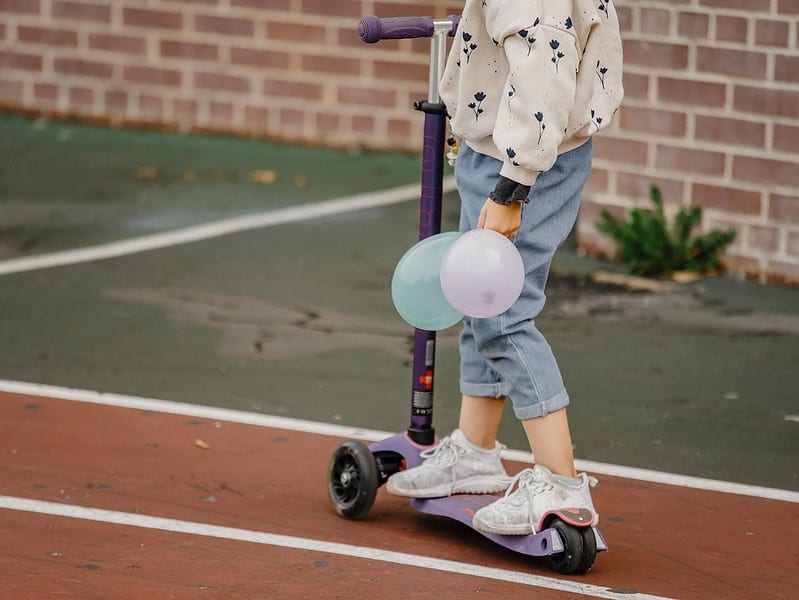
{"x": 502, "y": 218}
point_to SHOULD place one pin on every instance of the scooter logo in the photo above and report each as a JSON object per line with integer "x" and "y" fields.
{"x": 427, "y": 380}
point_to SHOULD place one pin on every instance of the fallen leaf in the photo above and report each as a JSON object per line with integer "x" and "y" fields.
{"x": 263, "y": 176}
{"x": 201, "y": 444}
{"x": 301, "y": 181}
{"x": 147, "y": 173}
{"x": 189, "y": 175}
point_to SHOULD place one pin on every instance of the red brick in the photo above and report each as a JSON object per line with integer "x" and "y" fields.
{"x": 362, "y": 124}
{"x": 403, "y": 9}
{"x": 766, "y": 171}
{"x": 259, "y": 58}
{"x": 635, "y": 85}
{"x": 327, "y": 122}
{"x": 256, "y": 119}
{"x": 786, "y": 67}
{"x": 116, "y": 100}
{"x": 117, "y": 43}
{"x": 637, "y": 185}
{"x": 222, "y": 82}
{"x": 152, "y": 19}
{"x": 79, "y": 96}
{"x": 150, "y": 107}
{"x": 738, "y": 63}
{"x": 772, "y": 33}
{"x": 185, "y": 110}
{"x": 275, "y": 5}
{"x": 28, "y": 7}
{"x": 701, "y": 93}
{"x": 291, "y": 117}
{"x": 366, "y": 96}
{"x": 83, "y": 68}
{"x": 151, "y": 76}
{"x": 789, "y": 7}
{"x": 82, "y": 11}
{"x": 46, "y": 92}
{"x": 221, "y": 113}
{"x": 224, "y": 25}
{"x": 293, "y": 89}
{"x": 598, "y": 181}
{"x": 775, "y": 102}
{"x": 723, "y": 198}
{"x": 47, "y": 36}
{"x": 689, "y": 160}
{"x": 340, "y": 8}
{"x": 10, "y": 90}
{"x": 625, "y": 15}
{"x": 188, "y": 50}
{"x": 653, "y": 121}
{"x": 20, "y": 61}
{"x": 731, "y": 29}
{"x": 784, "y": 208}
{"x": 621, "y": 150}
{"x": 764, "y": 238}
{"x": 693, "y": 25}
{"x": 655, "y": 21}
{"x": 792, "y": 245}
{"x": 2, "y": 31}
{"x": 748, "y": 5}
{"x": 786, "y": 138}
{"x": 399, "y": 128}
{"x": 294, "y": 32}
{"x": 400, "y": 71}
{"x": 730, "y": 131}
{"x": 656, "y": 54}
{"x": 334, "y": 65}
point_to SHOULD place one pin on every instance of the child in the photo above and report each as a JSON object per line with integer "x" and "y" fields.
{"x": 526, "y": 85}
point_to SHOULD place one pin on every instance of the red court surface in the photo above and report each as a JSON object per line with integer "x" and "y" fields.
{"x": 193, "y": 507}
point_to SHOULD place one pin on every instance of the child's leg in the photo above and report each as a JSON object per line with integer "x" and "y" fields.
{"x": 479, "y": 419}
{"x": 551, "y": 442}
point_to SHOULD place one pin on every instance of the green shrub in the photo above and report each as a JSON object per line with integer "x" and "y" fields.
{"x": 649, "y": 247}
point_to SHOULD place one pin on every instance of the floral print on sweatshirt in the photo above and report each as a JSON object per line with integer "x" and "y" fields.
{"x": 527, "y": 80}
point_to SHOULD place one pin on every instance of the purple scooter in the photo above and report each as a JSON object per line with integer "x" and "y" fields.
{"x": 568, "y": 537}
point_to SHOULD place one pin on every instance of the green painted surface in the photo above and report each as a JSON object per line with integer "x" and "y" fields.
{"x": 297, "y": 320}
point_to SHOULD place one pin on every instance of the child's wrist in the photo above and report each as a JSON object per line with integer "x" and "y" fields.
{"x": 508, "y": 191}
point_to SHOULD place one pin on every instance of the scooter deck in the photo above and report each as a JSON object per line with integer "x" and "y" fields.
{"x": 462, "y": 507}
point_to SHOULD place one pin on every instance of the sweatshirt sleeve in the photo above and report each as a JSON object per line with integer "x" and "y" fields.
{"x": 538, "y": 97}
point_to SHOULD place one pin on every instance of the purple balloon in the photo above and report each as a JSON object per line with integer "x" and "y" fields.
{"x": 482, "y": 273}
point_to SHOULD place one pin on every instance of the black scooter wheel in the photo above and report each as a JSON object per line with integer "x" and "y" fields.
{"x": 352, "y": 479}
{"x": 579, "y": 551}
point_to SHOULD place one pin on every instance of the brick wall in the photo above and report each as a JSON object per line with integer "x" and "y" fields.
{"x": 711, "y": 113}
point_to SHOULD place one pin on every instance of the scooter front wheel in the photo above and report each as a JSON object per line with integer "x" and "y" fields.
{"x": 579, "y": 552}
{"x": 352, "y": 479}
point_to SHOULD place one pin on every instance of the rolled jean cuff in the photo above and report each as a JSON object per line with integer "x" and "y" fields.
{"x": 483, "y": 390}
{"x": 542, "y": 409}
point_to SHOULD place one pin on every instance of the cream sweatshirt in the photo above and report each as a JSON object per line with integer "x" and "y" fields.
{"x": 527, "y": 80}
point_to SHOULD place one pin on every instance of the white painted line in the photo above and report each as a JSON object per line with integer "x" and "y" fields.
{"x": 373, "y": 435}
{"x": 792, "y": 418}
{"x": 216, "y": 229}
{"x": 311, "y": 545}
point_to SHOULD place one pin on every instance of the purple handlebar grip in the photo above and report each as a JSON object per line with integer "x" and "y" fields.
{"x": 373, "y": 29}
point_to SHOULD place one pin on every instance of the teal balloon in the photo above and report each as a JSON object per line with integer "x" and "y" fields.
{"x": 416, "y": 285}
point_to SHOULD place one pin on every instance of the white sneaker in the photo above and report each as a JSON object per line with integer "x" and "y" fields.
{"x": 533, "y": 493}
{"x": 453, "y": 467}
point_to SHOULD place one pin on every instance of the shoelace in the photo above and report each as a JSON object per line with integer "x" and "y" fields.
{"x": 445, "y": 454}
{"x": 526, "y": 481}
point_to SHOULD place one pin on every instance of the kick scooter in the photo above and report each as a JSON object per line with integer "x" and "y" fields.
{"x": 568, "y": 537}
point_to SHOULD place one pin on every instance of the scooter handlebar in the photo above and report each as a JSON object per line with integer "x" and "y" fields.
{"x": 372, "y": 29}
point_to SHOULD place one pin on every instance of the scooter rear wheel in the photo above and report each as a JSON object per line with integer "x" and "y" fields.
{"x": 352, "y": 479}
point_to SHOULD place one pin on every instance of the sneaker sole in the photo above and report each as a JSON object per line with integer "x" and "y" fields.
{"x": 506, "y": 530}
{"x": 467, "y": 486}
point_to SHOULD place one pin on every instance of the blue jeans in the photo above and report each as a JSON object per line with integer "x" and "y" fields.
{"x": 506, "y": 355}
